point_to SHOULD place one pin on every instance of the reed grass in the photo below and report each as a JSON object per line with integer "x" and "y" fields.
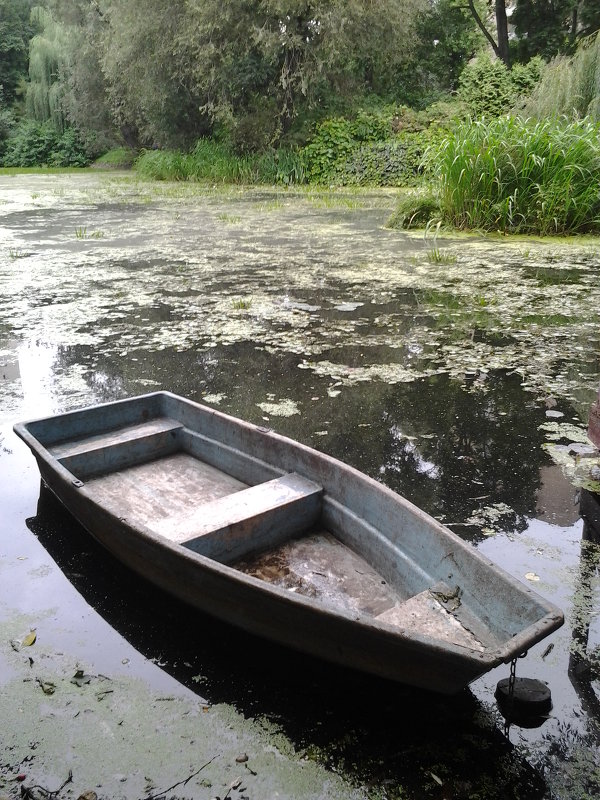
{"x": 520, "y": 176}
{"x": 212, "y": 161}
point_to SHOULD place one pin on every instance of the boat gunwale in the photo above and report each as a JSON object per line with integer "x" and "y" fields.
{"x": 491, "y": 656}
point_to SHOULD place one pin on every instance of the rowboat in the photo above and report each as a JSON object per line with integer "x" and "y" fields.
{"x": 288, "y": 543}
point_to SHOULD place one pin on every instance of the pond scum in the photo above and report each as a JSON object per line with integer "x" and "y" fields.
{"x": 310, "y": 277}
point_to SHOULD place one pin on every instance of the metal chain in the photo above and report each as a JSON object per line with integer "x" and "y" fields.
{"x": 511, "y": 696}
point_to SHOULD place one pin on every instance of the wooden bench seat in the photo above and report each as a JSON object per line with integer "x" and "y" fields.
{"x": 118, "y": 449}
{"x": 129, "y": 433}
{"x": 252, "y": 519}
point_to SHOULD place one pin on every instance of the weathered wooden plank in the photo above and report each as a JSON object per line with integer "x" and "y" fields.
{"x": 250, "y": 520}
{"x": 102, "y": 457}
{"x": 126, "y": 433}
{"x": 149, "y": 492}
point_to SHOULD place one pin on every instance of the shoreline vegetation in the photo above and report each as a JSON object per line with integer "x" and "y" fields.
{"x": 510, "y": 144}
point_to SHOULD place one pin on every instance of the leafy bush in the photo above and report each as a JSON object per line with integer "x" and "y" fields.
{"x": 34, "y": 144}
{"x": 384, "y": 149}
{"x": 336, "y": 139}
{"x": 394, "y": 162}
{"x": 520, "y": 176}
{"x": 489, "y": 88}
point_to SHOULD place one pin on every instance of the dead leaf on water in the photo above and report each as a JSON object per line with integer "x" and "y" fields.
{"x": 29, "y": 639}
{"x": 47, "y": 687}
{"x": 531, "y": 576}
{"x": 80, "y": 678}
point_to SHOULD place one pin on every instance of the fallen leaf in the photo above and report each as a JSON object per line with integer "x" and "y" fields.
{"x": 47, "y": 687}
{"x": 436, "y": 779}
{"x": 80, "y": 678}
{"x": 531, "y": 576}
{"x": 29, "y": 639}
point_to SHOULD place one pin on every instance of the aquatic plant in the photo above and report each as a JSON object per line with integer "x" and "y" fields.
{"x": 215, "y": 162}
{"x": 437, "y": 256}
{"x": 520, "y": 176}
{"x": 241, "y": 304}
{"x": 415, "y": 210}
{"x": 82, "y": 233}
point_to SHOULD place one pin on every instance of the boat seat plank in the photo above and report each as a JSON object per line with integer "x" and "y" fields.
{"x": 252, "y": 519}
{"x": 156, "y": 490}
{"x": 128, "y": 433}
{"x": 424, "y": 613}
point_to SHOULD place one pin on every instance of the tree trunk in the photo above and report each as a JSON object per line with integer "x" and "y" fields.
{"x": 501, "y": 47}
{"x": 502, "y": 31}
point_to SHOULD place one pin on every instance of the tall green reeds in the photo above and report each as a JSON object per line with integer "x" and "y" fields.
{"x": 521, "y": 176}
{"x": 214, "y": 162}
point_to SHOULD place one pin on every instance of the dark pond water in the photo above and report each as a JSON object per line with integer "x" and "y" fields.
{"x": 314, "y": 320}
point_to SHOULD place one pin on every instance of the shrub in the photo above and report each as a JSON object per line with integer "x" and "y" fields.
{"x": 372, "y": 149}
{"x": 489, "y": 88}
{"x": 517, "y": 175}
{"x": 35, "y": 144}
{"x": 394, "y": 162}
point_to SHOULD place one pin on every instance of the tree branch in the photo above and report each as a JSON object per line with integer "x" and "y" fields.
{"x": 484, "y": 30}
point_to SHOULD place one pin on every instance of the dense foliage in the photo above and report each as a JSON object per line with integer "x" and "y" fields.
{"x": 16, "y": 31}
{"x": 552, "y": 27}
{"x": 520, "y": 176}
{"x": 360, "y": 92}
{"x": 40, "y": 144}
{"x": 570, "y": 86}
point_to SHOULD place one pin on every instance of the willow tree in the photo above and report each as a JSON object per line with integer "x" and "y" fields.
{"x": 46, "y": 54}
{"x": 172, "y": 71}
{"x": 570, "y": 86}
{"x": 294, "y": 55}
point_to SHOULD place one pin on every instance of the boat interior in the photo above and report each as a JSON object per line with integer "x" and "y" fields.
{"x": 234, "y": 507}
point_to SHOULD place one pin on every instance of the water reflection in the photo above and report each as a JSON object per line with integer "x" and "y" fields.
{"x": 455, "y": 451}
{"x": 584, "y": 659}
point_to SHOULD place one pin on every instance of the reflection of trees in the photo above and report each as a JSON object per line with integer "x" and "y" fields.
{"x": 448, "y": 449}
{"x": 485, "y": 446}
{"x": 584, "y": 659}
